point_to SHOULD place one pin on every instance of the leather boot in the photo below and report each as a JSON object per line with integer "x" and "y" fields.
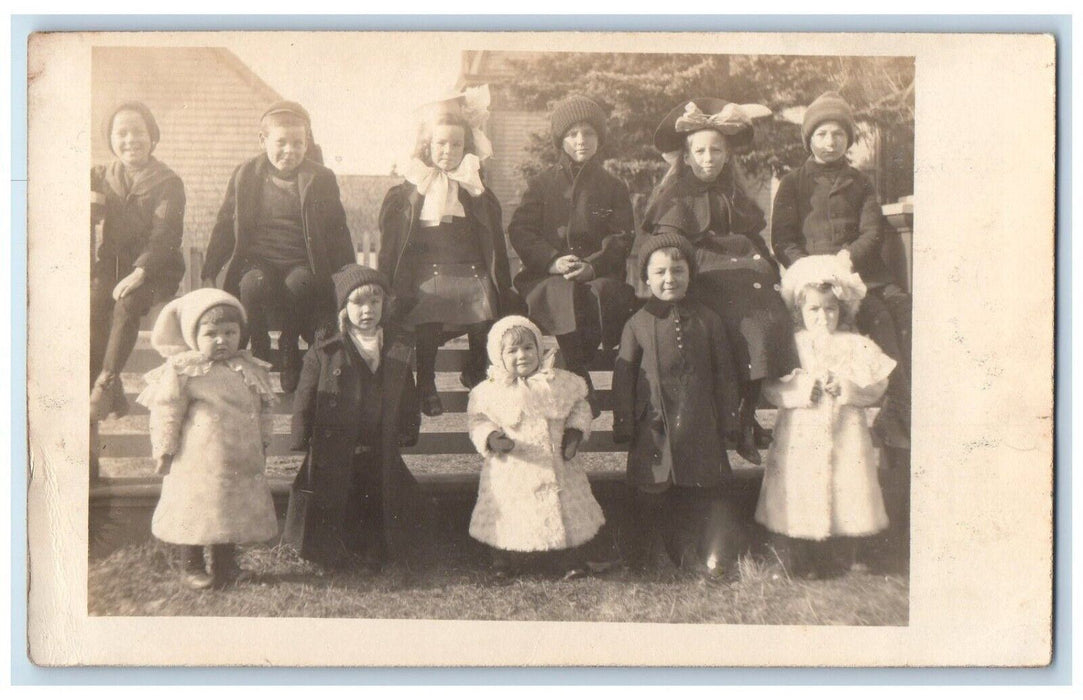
{"x": 195, "y": 569}
{"x": 103, "y": 396}
{"x": 224, "y": 567}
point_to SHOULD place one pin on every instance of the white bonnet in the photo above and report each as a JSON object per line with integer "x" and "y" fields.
{"x": 175, "y": 328}
{"x": 496, "y": 336}
{"x": 814, "y": 270}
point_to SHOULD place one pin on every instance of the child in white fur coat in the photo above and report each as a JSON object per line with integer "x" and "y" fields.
{"x": 528, "y": 420}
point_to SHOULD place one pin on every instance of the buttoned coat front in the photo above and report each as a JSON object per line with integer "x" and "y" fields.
{"x": 327, "y": 424}
{"x": 675, "y": 395}
{"x": 820, "y": 209}
{"x": 588, "y": 215}
{"x": 400, "y": 217}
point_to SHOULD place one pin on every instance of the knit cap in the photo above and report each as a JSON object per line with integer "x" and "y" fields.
{"x": 828, "y": 107}
{"x": 144, "y": 111}
{"x": 176, "y": 326}
{"x": 352, "y": 276}
{"x": 666, "y": 240}
{"x": 573, "y": 110}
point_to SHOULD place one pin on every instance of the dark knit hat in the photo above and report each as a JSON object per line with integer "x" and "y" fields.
{"x": 288, "y": 107}
{"x": 350, "y": 277}
{"x": 828, "y": 107}
{"x": 148, "y": 118}
{"x": 666, "y": 240}
{"x": 573, "y": 110}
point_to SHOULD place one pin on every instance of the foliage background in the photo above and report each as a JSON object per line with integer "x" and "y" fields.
{"x": 638, "y": 89}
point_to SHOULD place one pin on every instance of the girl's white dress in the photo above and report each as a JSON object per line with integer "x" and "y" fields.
{"x": 211, "y": 416}
{"x": 530, "y": 499}
{"x": 821, "y": 477}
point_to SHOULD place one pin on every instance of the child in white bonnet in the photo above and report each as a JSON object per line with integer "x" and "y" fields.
{"x": 209, "y": 429}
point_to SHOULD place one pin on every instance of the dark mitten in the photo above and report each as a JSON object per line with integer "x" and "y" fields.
{"x": 500, "y": 443}
{"x": 570, "y": 444}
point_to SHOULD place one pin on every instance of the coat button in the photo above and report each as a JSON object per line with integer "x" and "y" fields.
{"x": 756, "y": 256}
{"x": 756, "y": 285}
{"x": 778, "y": 288}
{"x": 336, "y": 371}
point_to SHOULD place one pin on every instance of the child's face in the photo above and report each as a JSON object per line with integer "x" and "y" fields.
{"x": 520, "y": 356}
{"x": 218, "y": 341}
{"x": 820, "y": 311}
{"x": 706, "y": 153}
{"x": 365, "y": 309}
{"x": 285, "y": 146}
{"x": 667, "y": 277}
{"x": 448, "y": 146}
{"x": 828, "y": 142}
{"x": 581, "y": 142}
{"x": 130, "y": 139}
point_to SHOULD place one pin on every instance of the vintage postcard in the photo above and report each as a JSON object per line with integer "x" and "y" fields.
{"x": 493, "y": 349}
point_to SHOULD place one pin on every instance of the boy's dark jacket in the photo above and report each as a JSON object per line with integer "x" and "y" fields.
{"x": 327, "y": 404}
{"x": 400, "y": 217}
{"x": 143, "y": 224}
{"x": 685, "y": 435}
{"x": 821, "y": 209}
{"x": 327, "y": 237}
{"x": 589, "y": 215}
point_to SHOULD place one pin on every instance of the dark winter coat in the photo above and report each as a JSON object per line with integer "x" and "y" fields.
{"x": 736, "y": 277}
{"x": 327, "y": 419}
{"x": 143, "y": 224}
{"x": 400, "y": 218}
{"x": 675, "y": 395}
{"x": 327, "y": 237}
{"x": 589, "y": 215}
{"x": 821, "y": 209}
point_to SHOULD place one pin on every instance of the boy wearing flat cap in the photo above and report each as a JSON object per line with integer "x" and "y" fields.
{"x": 281, "y": 233}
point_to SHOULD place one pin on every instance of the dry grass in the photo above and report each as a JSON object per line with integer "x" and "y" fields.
{"x": 450, "y": 580}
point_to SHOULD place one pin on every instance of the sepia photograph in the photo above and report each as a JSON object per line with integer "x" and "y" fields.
{"x": 421, "y": 328}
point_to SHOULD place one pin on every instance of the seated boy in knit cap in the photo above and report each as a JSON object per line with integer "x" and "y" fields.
{"x": 675, "y": 396}
{"x": 281, "y": 233}
{"x": 828, "y": 205}
{"x": 572, "y": 231}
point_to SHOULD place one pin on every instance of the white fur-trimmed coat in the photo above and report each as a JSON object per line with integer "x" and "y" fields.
{"x": 820, "y": 478}
{"x": 211, "y": 416}
{"x": 530, "y": 499}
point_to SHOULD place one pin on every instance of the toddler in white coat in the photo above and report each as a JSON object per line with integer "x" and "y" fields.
{"x": 209, "y": 431}
{"x": 528, "y": 420}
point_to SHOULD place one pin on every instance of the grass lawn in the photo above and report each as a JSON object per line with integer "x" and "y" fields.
{"x": 449, "y": 580}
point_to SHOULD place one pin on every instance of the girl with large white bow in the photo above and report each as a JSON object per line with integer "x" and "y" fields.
{"x": 442, "y": 241}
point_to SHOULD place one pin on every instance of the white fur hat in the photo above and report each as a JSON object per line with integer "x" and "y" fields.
{"x": 175, "y": 328}
{"x": 813, "y": 270}
{"x": 496, "y": 336}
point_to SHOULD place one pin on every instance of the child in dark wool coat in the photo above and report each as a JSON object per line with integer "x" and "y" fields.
{"x": 354, "y": 408}
{"x": 675, "y": 395}
{"x": 827, "y": 206}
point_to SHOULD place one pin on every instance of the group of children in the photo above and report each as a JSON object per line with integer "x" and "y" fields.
{"x": 720, "y": 330}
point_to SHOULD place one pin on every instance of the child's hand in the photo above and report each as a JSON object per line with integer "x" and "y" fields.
{"x": 564, "y": 264}
{"x": 832, "y": 385}
{"x": 570, "y": 444}
{"x": 584, "y": 272}
{"x": 129, "y": 284}
{"x": 165, "y": 463}
{"x": 499, "y": 442}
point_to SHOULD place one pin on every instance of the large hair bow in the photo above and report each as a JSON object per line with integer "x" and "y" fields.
{"x": 475, "y": 110}
{"x": 730, "y": 121}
